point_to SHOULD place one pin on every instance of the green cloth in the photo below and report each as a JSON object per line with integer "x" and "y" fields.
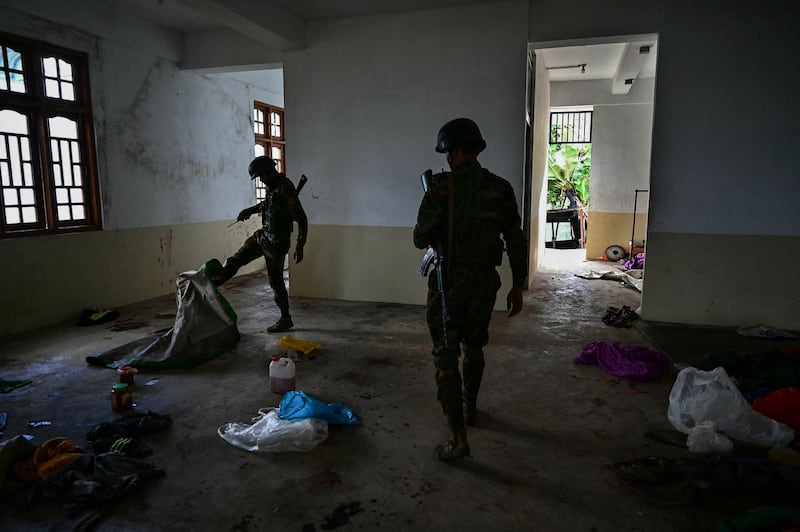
{"x": 7, "y": 386}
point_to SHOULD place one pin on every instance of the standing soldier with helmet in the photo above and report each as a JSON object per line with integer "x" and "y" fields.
{"x": 278, "y": 210}
{"x": 463, "y": 215}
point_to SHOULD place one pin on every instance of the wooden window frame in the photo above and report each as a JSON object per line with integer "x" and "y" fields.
{"x": 39, "y": 108}
{"x": 267, "y": 140}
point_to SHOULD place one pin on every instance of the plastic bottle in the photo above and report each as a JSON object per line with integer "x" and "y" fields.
{"x": 281, "y": 375}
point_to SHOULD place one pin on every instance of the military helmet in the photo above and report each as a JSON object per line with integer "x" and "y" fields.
{"x": 260, "y": 166}
{"x": 460, "y": 133}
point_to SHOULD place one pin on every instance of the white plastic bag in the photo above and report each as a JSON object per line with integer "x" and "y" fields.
{"x": 704, "y": 439}
{"x": 270, "y": 433}
{"x": 699, "y": 396}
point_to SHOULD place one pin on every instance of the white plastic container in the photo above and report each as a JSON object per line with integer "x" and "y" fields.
{"x": 282, "y": 375}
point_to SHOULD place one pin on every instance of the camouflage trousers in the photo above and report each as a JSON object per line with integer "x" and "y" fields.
{"x": 274, "y": 252}
{"x": 471, "y": 295}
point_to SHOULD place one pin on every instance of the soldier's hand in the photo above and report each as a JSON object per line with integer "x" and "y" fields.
{"x": 514, "y": 301}
{"x": 244, "y": 215}
{"x": 298, "y": 254}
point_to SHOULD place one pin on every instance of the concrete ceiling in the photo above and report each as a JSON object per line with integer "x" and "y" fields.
{"x": 196, "y": 15}
{"x": 231, "y": 35}
{"x": 618, "y": 61}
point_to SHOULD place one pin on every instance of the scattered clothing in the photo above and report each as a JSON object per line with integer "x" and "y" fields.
{"x": 782, "y": 405}
{"x": 633, "y": 362}
{"x": 89, "y": 487}
{"x": 770, "y": 369}
{"x": 122, "y": 435}
{"x": 49, "y": 458}
{"x": 635, "y": 263}
{"x": 619, "y": 317}
{"x": 676, "y": 481}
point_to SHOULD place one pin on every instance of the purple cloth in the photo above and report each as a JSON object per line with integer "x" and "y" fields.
{"x": 635, "y": 263}
{"x": 634, "y": 362}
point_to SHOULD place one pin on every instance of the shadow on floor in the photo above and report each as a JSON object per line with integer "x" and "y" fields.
{"x": 686, "y": 344}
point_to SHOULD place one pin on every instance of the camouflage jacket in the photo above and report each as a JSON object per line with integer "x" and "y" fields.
{"x": 468, "y": 211}
{"x": 280, "y": 209}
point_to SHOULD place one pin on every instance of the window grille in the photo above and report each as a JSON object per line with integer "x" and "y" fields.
{"x": 573, "y": 127}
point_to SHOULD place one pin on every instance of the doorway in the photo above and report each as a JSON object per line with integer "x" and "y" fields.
{"x": 614, "y": 78}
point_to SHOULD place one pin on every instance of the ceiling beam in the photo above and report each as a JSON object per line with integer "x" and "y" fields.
{"x": 225, "y": 50}
{"x": 264, "y": 22}
{"x": 630, "y": 65}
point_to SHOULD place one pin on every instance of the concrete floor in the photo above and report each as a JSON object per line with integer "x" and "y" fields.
{"x": 547, "y": 432}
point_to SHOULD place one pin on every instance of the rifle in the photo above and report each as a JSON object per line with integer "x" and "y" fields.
{"x": 300, "y": 185}
{"x": 434, "y": 256}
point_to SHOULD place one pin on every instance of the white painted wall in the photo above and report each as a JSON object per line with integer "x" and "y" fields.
{"x": 622, "y": 127}
{"x": 621, "y": 136}
{"x": 173, "y": 148}
{"x": 724, "y": 159}
{"x": 541, "y": 140}
{"x": 367, "y": 97}
{"x": 364, "y": 103}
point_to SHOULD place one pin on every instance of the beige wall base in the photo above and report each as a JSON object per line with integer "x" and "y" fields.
{"x": 359, "y": 263}
{"x": 51, "y": 279}
{"x": 612, "y": 228}
{"x": 724, "y": 280}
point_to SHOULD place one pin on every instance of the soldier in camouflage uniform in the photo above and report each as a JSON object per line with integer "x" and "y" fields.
{"x": 278, "y": 211}
{"x": 463, "y": 214}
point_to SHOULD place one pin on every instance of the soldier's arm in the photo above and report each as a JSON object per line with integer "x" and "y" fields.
{"x": 298, "y": 216}
{"x": 249, "y": 211}
{"x": 516, "y": 247}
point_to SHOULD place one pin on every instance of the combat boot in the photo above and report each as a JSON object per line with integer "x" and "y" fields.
{"x": 219, "y": 275}
{"x": 283, "y": 324}
{"x": 455, "y": 447}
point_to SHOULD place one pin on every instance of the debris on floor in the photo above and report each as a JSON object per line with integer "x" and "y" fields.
{"x": 269, "y": 433}
{"x": 631, "y": 278}
{"x": 633, "y": 362}
{"x": 205, "y": 327}
{"x": 95, "y": 317}
{"x": 619, "y": 317}
{"x": 59, "y": 477}
{"x": 762, "y": 331}
{"x": 298, "y": 346}
{"x": 7, "y": 386}
{"x": 300, "y": 405}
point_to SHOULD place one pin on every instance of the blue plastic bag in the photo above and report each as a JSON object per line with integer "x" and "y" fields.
{"x": 300, "y": 405}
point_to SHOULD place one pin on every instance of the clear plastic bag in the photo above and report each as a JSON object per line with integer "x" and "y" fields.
{"x": 704, "y": 439}
{"x": 270, "y": 433}
{"x": 699, "y": 396}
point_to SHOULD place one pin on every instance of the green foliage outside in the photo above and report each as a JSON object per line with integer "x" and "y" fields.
{"x": 568, "y": 167}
